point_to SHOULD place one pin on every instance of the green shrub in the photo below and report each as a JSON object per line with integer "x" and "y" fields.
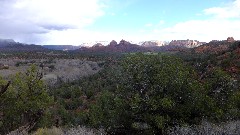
{"x": 25, "y": 101}
{"x": 155, "y": 90}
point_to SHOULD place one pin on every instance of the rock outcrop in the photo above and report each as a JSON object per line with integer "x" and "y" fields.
{"x": 153, "y": 43}
{"x": 113, "y": 43}
{"x": 113, "y": 47}
{"x": 97, "y": 45}
{"x": 123, "y": 42}
{"x": 185, "y": 43}
{"x": 230, "y": 39}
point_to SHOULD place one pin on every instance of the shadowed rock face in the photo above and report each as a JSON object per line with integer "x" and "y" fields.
{"x": 230, "y": 39}
{"x": 98, "y": 45}
{"x": 113, "y": 43}
{"x": 123, "y": 42}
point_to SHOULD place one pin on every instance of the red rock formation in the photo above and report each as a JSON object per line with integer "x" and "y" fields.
{"x": 230, "y": 39}
{"x": 113, "y": 43}
{"x": 185, "y": 43}
{"x": 123, "y": 42}
{"x": 123, "y": 46}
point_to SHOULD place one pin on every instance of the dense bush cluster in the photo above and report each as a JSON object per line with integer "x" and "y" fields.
{"x": 156, "y": 92}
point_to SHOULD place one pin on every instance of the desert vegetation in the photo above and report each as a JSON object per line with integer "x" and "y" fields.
{"x": 130, "y": 93}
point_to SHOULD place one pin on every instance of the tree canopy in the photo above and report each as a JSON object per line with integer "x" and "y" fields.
{"x": 24, "y": 101}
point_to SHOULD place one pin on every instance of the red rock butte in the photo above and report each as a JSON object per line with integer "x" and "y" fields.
{"x": 230, "y": 39}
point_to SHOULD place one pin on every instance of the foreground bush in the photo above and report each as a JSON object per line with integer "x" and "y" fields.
{"x": 157, "y": 92}
{"x": 24, "y": 102}
{"x": 154, "y": 93}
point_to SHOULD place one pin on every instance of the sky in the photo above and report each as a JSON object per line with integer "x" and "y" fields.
{"x": 73, "y": 22}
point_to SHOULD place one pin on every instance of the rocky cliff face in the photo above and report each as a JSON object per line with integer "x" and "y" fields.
{"x": 123, "y": 42}
{"x": 230, "y": 39}
{"x": 149, "y": 44}
{"x": 113, "y": 43}
{"x": 98, "y": 45}
{"x": 153, "y": 43}
{"x": 122, "y": 46}
{"x": 185, "y": 43}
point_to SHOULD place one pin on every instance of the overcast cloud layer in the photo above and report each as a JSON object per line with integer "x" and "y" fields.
{"x": 67, "y": 22}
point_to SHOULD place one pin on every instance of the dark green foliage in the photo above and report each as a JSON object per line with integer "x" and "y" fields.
{"x": 221, "y": 88}
{"x": 68, "y": 99}
{"x": 52, "y": 67}
{"x": 163, "y": 91}
{"x": 24, "y": 102}
{"x": 75, "y": 98}
{"x": 110, "y": 112}
{"x": 234, "y": 46}
{"x": 155, "y": 92}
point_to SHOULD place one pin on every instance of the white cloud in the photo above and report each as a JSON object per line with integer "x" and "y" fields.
{"x": 76, "y": 36}
{"x": 203, "y": 30}
{"x": 38, "y": 17}
{"x": 231, "y": 10}
{"x": 161, "y": 22}
{"x": 148, "y": 25}
{"x": 223, "y": 22}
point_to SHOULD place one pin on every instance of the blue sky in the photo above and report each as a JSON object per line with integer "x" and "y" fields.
{"x": 142, "y": 15}
{"x": 137, "y": 13}
{"x": 78, "y": 21}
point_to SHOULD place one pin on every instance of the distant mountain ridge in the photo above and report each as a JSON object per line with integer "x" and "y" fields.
{"x": 9, "y": 45}
{"x": 61, "y": 47}
{"x": 6, "y": 42}
{"x": 101, "y": 46}
{"x": 126, "y": 47}
{"x": 18, "y": 47}
{"x": 121, "y": 47}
